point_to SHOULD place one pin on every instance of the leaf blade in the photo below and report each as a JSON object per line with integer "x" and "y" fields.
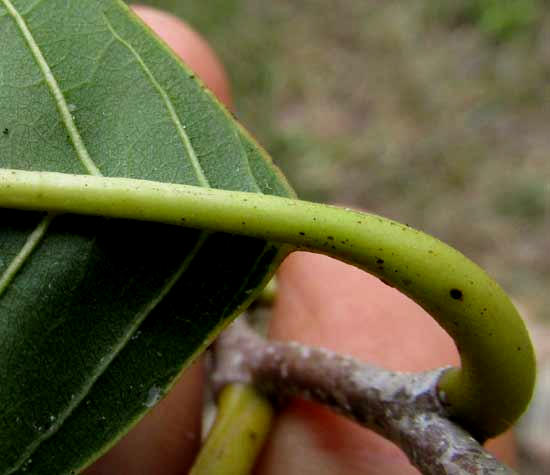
{"x": 76, "y": 291}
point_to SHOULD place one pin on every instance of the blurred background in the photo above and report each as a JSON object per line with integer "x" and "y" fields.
{"x": 435, "y": 113}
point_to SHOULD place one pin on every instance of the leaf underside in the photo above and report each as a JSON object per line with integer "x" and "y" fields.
{"x": 97, "y": 315}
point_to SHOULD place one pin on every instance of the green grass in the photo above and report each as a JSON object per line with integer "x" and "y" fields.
{"x": 500, "y": 20}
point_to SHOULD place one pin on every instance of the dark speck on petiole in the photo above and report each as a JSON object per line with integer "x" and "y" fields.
{"x": 456, "y": 294}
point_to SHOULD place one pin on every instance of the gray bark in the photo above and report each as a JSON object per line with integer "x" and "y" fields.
{"x": 402, "y": 407}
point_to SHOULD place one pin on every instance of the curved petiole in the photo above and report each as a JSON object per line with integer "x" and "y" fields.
{"x": 493, "y": 386}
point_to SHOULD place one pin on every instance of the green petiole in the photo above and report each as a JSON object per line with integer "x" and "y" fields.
{"x": 493, "y": 386}
{"x": 239, "y": 432}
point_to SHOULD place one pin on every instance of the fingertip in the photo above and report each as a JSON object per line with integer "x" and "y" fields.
{"x": 504, "y": 448}
{"x": 191, "y": 47}
{"x": 324, "y": 302}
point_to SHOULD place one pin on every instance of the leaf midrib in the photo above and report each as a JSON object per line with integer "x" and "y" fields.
{"x": 76, "y": 139}
{"x": 82, "y": 153}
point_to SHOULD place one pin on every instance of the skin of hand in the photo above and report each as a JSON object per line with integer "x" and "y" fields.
{"x": 321, "y": 302}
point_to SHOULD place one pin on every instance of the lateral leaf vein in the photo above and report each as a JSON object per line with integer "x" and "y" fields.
{"x": 180, "y": 128}
{"x": 53, "y": 85}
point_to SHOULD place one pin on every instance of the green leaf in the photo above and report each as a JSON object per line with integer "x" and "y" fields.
{"x": 99, "y": 316}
